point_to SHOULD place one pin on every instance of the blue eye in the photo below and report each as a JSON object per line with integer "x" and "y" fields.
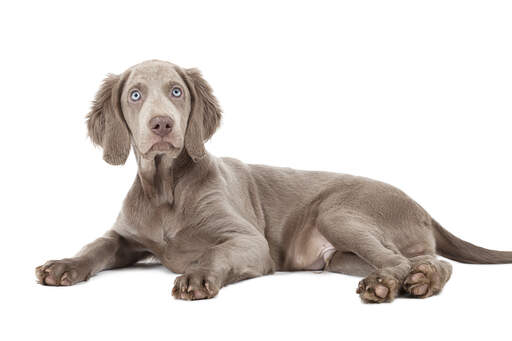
{"x": 176, "y": 92}
{"x": 135, "y": 95}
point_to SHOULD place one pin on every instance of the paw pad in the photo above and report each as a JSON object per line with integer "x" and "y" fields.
{"x": 423, "y": 281}
{"x": 378, "y": 288}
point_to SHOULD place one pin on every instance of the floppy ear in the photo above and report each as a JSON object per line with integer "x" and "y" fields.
{"x": 106, "y": 124}
{"x": 205, "y": 114}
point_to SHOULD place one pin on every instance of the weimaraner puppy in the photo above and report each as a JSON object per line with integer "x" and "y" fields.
{"x": 218, "y": 221}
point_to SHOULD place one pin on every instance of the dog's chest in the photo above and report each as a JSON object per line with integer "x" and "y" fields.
{"x": 152, "y": 227}
{"x": 164, "y": 234}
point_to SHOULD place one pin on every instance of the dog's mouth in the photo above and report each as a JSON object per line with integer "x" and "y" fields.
{"x": 161, "y": 147}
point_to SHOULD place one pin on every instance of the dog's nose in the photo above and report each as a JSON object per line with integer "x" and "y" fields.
{"x": 161, "y": 125}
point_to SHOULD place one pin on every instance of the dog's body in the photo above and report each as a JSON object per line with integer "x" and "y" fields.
{"x": 219, "y": 221}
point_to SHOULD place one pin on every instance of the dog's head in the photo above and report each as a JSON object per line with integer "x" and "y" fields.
{"x": 157, "y": 107}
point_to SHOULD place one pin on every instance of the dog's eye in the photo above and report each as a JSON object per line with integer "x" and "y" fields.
{"x": 135, "y": 95}
{"x": 176, "y": 92}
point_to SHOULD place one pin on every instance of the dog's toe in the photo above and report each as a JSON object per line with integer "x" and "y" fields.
{"x": 194, "y": 287}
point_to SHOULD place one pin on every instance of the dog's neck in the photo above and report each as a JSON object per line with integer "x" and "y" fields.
{"x": 158, "y": 176}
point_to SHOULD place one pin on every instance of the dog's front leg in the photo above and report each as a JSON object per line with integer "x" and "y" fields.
{"x": 240, "y": 257}
{"x": 107, "y": 252}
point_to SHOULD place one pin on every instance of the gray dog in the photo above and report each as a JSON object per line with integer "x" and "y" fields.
{"x": 219, "y": 221}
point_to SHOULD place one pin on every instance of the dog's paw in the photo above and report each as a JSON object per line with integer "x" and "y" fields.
{"x": 424, "y": 280}
{"x": 195, "y": 286}
{"x": 62, "y": 272}
{"x": 378, "y": 288}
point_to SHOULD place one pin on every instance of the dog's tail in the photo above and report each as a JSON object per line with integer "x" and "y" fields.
{"x": 449, "y": 246}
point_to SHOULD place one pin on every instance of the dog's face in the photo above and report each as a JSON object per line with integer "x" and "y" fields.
{"x": 157, "y": 107}
{"x": 156, "y": 104}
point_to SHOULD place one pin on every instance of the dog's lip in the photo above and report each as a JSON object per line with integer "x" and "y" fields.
{"x": 161, "y": 146}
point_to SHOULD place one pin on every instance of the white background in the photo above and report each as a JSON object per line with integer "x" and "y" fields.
{"x": 416, "y": 94}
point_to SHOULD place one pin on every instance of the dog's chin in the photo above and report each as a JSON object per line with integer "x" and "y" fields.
{"x": 162, "y": 148}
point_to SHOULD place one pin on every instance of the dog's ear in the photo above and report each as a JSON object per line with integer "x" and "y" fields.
{"x": 205, "y": 114}
{"x": 105, "y": 121}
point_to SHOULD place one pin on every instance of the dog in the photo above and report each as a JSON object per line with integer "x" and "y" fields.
{"x": 217, "y": 221}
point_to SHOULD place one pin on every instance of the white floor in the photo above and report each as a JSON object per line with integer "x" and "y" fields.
{"x": 136, "y": 304}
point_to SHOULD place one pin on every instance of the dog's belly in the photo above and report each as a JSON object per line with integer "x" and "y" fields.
{"x": 308, "y": 250}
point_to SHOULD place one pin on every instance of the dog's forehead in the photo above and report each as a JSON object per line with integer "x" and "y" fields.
{"x": 152, "y": 71}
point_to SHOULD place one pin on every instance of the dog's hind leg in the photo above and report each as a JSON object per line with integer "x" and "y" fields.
{"x": 348, "y": 263}
{"x": 357, "y": 234}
